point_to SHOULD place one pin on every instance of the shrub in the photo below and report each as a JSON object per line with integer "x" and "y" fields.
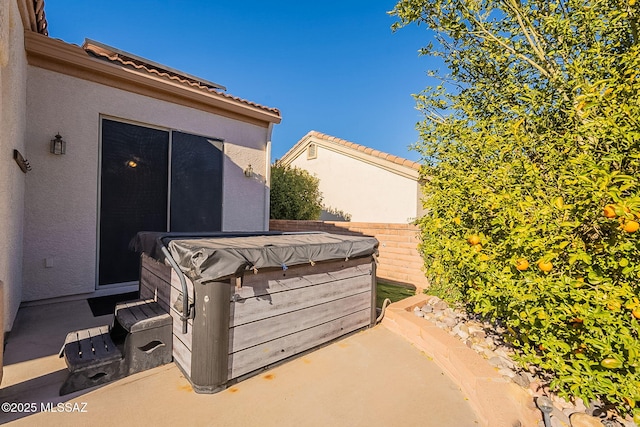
{"x": 294, "y": 194}
{"x": 532, "y": 146}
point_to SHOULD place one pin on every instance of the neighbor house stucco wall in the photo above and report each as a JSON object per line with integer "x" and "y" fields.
{"x": 62, "y": 191}
{"x": 13, "y": 67}
{"x": 365, "y": 191}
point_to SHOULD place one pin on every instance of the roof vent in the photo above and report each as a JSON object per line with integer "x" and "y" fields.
{"x": 312, "y": 152}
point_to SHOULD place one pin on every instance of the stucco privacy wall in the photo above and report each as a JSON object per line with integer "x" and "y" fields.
{"x": 398, "y": 260}
{"x": 62, "y": 191}
{"x": 13, "y": 66}
{"x": 367, "y": 192}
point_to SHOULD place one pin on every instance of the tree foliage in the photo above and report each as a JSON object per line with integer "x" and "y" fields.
{"x": 531, "y": 144}
{"x": 294, "y": 194}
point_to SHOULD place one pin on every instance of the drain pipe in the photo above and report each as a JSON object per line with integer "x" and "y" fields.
{"x": 386, "y": 302}
{"x": 546, "y": 406}
{"x": 186, "y": 311}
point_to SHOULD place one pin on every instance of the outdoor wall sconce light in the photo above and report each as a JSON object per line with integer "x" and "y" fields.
{"x": 248, "y": 172}
{"x": 58, "y": 145}
{"x": 546, "y": 406}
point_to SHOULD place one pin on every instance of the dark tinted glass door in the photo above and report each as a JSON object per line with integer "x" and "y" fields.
{"x": 133, "y": 197}
{"x": 196, "y": 183}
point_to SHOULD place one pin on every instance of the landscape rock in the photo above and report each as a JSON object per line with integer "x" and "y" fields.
{"x": 506, "y": 372}
{"x": 440, "y": 305}
{"x": 557, "y": 422}
{"x": 580, "y": 419}
{"x": 426, "y": 308}
{"x": 579, "y": 405}
{"x": 450, "y": 322}
{"x": 497, "y": 362}
{"x": 522, "y": 380}
{"x": 463, "y": 335}
{"x": 561, "y": 416}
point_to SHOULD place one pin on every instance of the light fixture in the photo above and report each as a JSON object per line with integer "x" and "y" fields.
{"x": 58, "y": 145}
{"x": 248, "y": 172}
{"x": 546, "y": 406}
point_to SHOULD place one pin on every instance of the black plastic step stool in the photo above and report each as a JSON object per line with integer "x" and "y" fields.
{"x": 92, "y": 359}
{"x": 139, "y": 339}
{"x": 147, "y": 331}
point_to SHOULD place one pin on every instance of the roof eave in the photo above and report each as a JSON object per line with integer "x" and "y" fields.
{"x": 300, "y": 147}
{"x": 66, "y": 58}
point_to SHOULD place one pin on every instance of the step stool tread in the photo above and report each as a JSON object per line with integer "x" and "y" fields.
{"x": 138, "y": 315}
{"x": 90, "y": 348}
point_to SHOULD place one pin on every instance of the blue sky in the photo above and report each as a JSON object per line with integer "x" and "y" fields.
{"x": 331, "y": 66}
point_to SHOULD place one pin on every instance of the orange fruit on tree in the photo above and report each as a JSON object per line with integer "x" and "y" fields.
{"x": 611, "y": 363}
{"x": 477, "y": 247}
{"x": 614, "y": 305}
{"x": 522, "y": 264}
{"x": 545, "y": 266}
{"x": 474, "y": 239}
{"x": 636, "y": 313}
{"x": 609, "y": 211}
{"x": 631, "y": 226}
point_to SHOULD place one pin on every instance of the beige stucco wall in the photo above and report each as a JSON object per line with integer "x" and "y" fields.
{"x": 367, "y": 192}
{"x": 62, "y": 191}
{"x": 13, "y": 66}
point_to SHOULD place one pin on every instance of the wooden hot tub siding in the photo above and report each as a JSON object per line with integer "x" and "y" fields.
{"x": 274, "y": 315}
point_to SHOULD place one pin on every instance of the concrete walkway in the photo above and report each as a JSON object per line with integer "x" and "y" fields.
{"x": 371, "y": 378}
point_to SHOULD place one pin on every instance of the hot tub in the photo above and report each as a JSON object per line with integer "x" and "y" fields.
{"x": 255, "y": 300}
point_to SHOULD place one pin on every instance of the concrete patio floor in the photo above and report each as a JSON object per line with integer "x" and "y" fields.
{"x": 371, "y": 378}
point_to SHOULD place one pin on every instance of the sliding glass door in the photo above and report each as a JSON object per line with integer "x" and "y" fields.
{"x": 153, "y": 180}
{"x": 196, "y": 183}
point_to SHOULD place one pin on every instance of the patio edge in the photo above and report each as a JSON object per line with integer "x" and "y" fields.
{"x": 497, "y": 401}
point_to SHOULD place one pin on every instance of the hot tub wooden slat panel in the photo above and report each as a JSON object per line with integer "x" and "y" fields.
{"x": 271, "y": 282}
{"x": 181, "y": 354}
{"x": 264, "y": 330}
{"x": 256, "y": 308}
{"x": 152, "y": 287}
{"x": 175, "y": 283}
{"x": 278, "y": 315}
{"x": 156, "y": 267}
{"x": 253, "y": 358}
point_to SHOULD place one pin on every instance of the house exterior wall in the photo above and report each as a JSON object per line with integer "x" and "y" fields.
{"x": 61, "y": 203}
{"x": 13, "y": 84}
{"x": 367, "y": 192}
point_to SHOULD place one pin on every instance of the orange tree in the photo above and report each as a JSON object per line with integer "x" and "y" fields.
{"x": 532, "y": 169}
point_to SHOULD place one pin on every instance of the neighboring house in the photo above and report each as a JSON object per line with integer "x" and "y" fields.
{"x": 147, "y": 148}
{"x": 367, "y": 184}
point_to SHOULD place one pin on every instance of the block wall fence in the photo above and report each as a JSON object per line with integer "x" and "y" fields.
{"x": 399, "y": 260}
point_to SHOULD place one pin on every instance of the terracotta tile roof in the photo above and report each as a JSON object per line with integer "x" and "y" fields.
{"x": 366, "y": 150}
{"x": 110, "y": 54}
{"x": 41, "y": 19}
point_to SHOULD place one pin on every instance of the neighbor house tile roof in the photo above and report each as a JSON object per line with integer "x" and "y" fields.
{"x": 131, "y": 61}
{"x": 366, "y": 150}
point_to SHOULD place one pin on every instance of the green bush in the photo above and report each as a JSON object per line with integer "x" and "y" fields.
{"x": 532, "y": 168}
{"x": 294, "y": 194}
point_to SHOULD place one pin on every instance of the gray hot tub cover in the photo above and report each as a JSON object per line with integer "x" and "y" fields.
{"x": 213, "y": 258}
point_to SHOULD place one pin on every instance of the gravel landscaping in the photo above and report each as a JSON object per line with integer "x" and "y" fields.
{"x": 485, "y": 339}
